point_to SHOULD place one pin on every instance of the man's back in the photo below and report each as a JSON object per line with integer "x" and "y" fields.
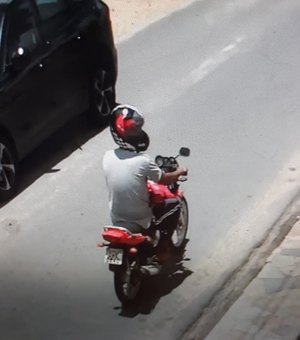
{"x": 126, "y": 173}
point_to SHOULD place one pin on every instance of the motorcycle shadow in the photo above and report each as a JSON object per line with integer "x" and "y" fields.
{"x": 172, "y": 275}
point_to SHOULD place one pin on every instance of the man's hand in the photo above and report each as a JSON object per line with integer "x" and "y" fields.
{"x": 172, "y": 177}
{"x": 183, "y": 171}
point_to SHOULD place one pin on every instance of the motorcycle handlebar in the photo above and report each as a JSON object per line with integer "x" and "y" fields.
{"x": 170, "y": 164}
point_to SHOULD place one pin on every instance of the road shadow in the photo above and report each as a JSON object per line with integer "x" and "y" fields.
{"x": 54, "y": 149}
{"x": 155, "y": 287}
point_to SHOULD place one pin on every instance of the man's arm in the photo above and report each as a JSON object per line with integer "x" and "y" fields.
{"x": 171, "y": 177}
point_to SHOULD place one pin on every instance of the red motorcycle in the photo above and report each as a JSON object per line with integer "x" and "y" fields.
{"x": 130, "y": 256}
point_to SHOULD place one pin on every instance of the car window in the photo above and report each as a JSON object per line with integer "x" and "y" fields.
{"x": 22, "y": 33}
{"x": 50, "y": 8}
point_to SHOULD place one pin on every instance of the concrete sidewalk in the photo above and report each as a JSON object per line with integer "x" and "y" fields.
{"x": 269, "y": 308}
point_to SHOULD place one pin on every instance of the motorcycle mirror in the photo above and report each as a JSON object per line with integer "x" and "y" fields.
{"x": 185, "y": 152}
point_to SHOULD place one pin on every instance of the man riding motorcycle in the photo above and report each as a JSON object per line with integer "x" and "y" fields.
{"x": 127, "y": 170}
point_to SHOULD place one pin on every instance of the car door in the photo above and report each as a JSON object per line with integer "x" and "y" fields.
{"x": 22, "y": 95}
{"x": 63, "y": 61}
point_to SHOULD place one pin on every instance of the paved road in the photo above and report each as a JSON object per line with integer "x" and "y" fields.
{"x": 221, "y": 78}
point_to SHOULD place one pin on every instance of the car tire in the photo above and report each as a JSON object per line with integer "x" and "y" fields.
{"x": 8, "y": 170}
{"x": 103, "y": 98}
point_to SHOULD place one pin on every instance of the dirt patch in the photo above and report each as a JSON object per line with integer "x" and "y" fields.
{"x": 132, "y": 15}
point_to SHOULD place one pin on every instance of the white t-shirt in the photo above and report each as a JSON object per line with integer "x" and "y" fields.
{"x": 126, "y": 173}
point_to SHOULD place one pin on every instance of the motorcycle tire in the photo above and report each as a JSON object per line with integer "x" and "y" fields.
{"x": 128, "y": 280}
{"x": 178, "y": 239}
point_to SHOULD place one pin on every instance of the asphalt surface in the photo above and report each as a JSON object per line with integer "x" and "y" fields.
{"x": 220, "y": 78}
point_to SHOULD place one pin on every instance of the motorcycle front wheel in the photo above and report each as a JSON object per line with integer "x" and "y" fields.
{"x": 127, "y": 280}
{"x": 179, "y": 234}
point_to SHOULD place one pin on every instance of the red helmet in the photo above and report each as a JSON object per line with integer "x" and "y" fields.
{"x": 126, "y": 128}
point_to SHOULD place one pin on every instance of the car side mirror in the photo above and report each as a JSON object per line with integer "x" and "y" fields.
{"x": 185, "y": 152}
{"x": 20, "y": 58}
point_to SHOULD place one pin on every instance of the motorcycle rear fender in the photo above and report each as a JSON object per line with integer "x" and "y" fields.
{"x": 121, "y": 236}
{"x": 114, "y": 267}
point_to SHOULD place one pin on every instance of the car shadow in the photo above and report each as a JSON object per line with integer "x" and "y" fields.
{"x": 53, "y": 150}
{"x": 155, "y": 287}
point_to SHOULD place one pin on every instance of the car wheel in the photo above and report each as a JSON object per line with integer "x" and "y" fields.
{"x": 102, "y": 97}
{"x": 8, "y": 170}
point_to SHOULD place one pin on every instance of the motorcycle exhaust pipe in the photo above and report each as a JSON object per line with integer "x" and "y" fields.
{"x": 150, "y": 270}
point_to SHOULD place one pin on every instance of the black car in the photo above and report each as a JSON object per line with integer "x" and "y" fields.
{"x": 57, "y": 60}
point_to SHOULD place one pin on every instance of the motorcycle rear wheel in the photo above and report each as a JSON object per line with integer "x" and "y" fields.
{"x": 128, "y": 280}
{"x": 179, "y": 235}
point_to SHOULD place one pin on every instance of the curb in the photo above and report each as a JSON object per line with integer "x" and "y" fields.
{"x": 269, "y": 308}
{"x": 241, "y": 278}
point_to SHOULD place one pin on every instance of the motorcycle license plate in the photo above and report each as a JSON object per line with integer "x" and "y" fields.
{"x": 114, "y": 256}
